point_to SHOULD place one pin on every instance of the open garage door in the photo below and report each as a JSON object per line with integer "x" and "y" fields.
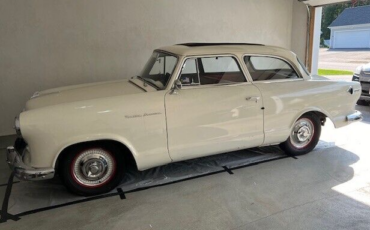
{"x": 321, "y": 2}
{"x": 352, "y": 39}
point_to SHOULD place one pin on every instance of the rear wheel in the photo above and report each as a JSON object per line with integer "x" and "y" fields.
{"x": 92, "y": 169}
{"x": 304, "y": 136}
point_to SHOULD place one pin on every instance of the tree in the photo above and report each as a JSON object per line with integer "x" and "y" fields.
{"x": 331, "y": 12}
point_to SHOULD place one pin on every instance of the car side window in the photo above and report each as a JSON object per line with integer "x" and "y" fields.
{"x": 211, "y": 71}
{"x": 269, "y": 68}
{"x": 220, "y": 70}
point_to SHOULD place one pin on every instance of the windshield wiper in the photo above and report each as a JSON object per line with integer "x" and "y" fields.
{"x": 143, "y": 79}
{"x": 146, "y": 82}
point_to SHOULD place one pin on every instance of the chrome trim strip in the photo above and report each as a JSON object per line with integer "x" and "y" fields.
{"x": 25, "y": 172}
{"x": 214, "y": 85}
{"x": 277, "y": 81}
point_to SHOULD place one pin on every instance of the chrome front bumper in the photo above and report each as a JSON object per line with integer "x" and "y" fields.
{"x": 356, "y": 116}
{"x": 25, "y": 172}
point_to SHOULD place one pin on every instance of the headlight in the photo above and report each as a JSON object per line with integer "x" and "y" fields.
{"x": 358, "y": 70}
{"x": 17, "y": 126}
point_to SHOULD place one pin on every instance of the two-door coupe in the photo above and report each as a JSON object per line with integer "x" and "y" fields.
{"x": 190, "y": 100}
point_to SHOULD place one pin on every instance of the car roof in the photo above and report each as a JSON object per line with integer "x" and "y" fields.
{"x": 194, "y": 49}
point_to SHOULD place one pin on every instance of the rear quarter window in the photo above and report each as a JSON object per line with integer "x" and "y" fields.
{"x": 264, "y": 68}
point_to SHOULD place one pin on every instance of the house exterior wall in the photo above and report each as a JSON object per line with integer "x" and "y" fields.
{"x": 355, "y": 36}
{"x": 46, "y": 44}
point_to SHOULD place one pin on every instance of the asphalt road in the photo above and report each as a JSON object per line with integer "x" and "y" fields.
{"x": 348, "y": 59}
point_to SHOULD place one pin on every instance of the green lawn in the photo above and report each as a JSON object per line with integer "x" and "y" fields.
{"x": 334, "y": 72}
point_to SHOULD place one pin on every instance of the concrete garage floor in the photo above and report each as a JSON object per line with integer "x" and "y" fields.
{"x": 326, "y": 189}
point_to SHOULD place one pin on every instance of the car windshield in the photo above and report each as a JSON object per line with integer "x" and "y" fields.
{"x": 158, "y": 70}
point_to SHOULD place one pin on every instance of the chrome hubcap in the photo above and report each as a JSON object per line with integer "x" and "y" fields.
{"x": 302, "y": 133}
{"x": 93, "y": 167}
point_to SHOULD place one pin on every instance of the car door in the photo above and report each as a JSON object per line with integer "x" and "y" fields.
{"x": 285, "y": 93}
{"x": 215, "y": 111}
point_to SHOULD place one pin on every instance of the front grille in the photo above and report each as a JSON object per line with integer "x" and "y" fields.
{"x": 365, "y": 87}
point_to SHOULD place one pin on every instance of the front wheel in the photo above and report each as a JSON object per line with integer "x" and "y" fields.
{"x": 92, "y": 169}
{"x": 304, "y": 136}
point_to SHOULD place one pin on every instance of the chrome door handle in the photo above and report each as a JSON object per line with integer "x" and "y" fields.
{"x": 253, "y": 99}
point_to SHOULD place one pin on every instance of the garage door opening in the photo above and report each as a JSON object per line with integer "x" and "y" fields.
{"x": 335, "y": 25}
{"x": 344, "y": 39}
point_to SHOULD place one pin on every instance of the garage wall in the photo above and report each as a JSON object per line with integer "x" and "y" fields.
{"x": 49, "y": 43}
{"x": 299, "y": 30}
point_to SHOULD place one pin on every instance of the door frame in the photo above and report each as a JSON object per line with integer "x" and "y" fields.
{"x": 241, "y": 66}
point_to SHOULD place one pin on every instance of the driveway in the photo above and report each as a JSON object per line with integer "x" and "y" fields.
{"x": 343, "y": 59}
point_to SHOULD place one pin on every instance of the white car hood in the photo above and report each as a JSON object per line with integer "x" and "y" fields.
{"x": 85, "y": 92}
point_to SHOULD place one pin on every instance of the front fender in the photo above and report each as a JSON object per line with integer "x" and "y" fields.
{"x": 96, "y": 137}
{"x": 137, "y": 121}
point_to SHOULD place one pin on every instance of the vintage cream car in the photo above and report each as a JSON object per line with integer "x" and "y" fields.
{"x": 191, "y": 100}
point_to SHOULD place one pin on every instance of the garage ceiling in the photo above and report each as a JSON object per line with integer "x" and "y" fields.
{"x": 321, "y": 2}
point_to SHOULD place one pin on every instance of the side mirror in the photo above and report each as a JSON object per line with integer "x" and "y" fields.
{"x": 177, "y": 85}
